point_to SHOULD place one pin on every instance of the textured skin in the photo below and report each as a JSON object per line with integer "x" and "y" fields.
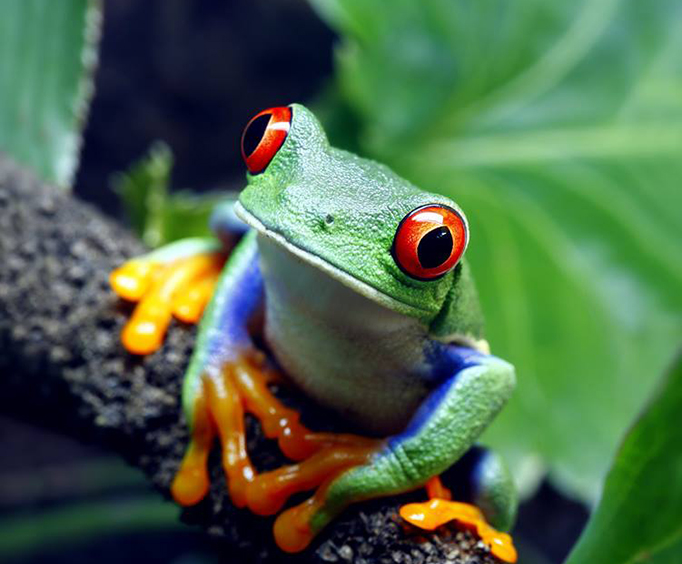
{"x": 444, "y": 428}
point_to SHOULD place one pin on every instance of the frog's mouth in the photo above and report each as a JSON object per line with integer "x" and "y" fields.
{"x": 335, "y": 272}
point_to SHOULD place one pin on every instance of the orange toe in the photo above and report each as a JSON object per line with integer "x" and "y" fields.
{"x": 189, "y": 305}
{"x": 435, "y": 488}
{"x": 292, "y": 529}
{"x": 145, "y": 331}
{"x": 131, "y": 280}
{"x": 156, "y": 287}
{"x": 192, "y": 482}
{"x": 190, "y": 485}
{"x": 432, "y": 514}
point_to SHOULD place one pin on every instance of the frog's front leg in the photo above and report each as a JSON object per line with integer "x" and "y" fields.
{"x": 227, "y": 377}
{"x": 176, "y": 280}
{"x": 443, "y": 429}
{"x": 211, "y": 401}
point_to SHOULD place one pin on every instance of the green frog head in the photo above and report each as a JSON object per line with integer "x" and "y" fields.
{"x": 352, "y": 217}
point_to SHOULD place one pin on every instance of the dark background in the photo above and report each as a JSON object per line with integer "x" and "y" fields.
{"x": 191, "y": 74}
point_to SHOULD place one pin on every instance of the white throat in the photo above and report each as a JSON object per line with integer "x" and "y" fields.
{"x": 343, "y": 349}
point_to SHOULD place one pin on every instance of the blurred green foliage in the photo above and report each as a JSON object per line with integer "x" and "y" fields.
{"x": 47, "y": 52}
{"x": 156, "y": 215}
{"x": 640, "y": 516}
{"x": 80, "y": 522}
{"x": 557, "y": 126}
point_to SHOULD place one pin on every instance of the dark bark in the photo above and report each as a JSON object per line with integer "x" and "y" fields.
{"x": 64, "y": 367}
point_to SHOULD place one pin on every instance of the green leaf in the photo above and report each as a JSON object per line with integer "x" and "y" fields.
{"x": 557, "y": 126}
{"x": 157, "y": 216}
{"x": 639, "y": 518}
{"x": 48, "y": 52}
{"x": 187, "y": 214}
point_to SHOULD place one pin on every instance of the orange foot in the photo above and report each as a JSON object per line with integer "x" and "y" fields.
{"x": 179, "y": 288}
{"x": 219, "y": 411}
{"x": 440, "y": 509}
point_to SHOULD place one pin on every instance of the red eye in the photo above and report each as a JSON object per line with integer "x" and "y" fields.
{"x": 263, "y": 136}
{"x": 430, "y": 241}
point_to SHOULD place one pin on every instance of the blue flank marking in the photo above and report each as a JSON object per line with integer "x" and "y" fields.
{"x": 447, "y": 362}
{"x": 238, "y": 296}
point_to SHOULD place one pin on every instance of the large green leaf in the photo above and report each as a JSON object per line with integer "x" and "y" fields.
{"x": 558, "y": 128}
{"x": 47, "y": 53}
{"x": 639, "y": 518}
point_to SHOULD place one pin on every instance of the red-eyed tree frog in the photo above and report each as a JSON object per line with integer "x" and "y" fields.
{"x": 354, "y": 280}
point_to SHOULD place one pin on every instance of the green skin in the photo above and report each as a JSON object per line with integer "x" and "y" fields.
{"x": 308, "y": 180}
{"x": 325, "y": 220}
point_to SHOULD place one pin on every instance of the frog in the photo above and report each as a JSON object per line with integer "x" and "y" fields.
{"x": 332, "y": 274}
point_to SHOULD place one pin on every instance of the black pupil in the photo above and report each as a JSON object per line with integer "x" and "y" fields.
{"x": 435, "y": 247}
{"x": 254, "y": 133}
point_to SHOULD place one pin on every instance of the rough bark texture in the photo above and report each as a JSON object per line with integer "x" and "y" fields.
{"x": 64, "y": 367}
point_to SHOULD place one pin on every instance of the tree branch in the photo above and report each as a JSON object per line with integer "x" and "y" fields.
{"x": 64, "y": 367}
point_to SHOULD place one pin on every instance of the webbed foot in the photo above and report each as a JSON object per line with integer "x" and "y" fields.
{"x": 220, "y": 405}
{"x": 176, "y": 280}
{"x": 440, "y": 509}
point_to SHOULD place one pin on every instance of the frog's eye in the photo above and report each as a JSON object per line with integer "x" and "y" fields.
{"x": 263, "y": 136}
{"x": 430, "y": 241}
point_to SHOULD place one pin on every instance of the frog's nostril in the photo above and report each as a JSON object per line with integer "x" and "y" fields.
{"x": 263, "y": 136}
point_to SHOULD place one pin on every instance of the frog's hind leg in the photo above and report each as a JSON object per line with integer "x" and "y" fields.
{"x": 440, "y": 433}
{"x": 488, "y": 484}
